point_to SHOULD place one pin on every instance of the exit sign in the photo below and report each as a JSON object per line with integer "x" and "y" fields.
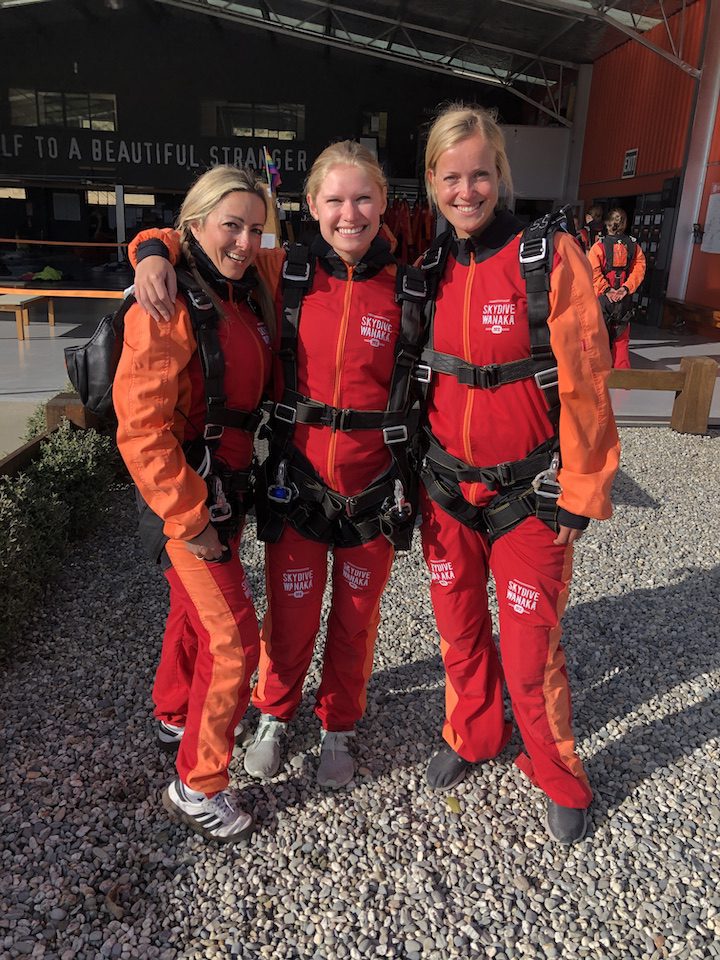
{"x": 629, "y": 164}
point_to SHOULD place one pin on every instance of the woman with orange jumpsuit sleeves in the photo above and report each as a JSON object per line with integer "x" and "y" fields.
{"x": 338, "y": 476}
{"x": 190, "y": 461}
{"x": 618, "y": 267}
{"x": 495, "y": 465}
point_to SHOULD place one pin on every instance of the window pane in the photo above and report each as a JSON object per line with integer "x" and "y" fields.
{"x": 23, "y": 108}
{"x": 235, "y": 120}
{"x": 77, "y": 110}
{"x": 266, "y": 120}
{"x": 51, "y": 109}
{"x": 102, "y": 111}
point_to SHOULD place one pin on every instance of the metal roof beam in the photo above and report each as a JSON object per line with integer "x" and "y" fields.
{"x": 422, "y": 60}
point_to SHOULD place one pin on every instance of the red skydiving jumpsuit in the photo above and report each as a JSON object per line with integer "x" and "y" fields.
{"x": 604, "y": 278}
{"x": 349, "y": 324}
{"x": 210, "y": 647}
{"x": 481, "y": 317}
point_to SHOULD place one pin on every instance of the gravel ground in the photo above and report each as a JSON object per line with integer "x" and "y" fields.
{"x": 92, "y": 868}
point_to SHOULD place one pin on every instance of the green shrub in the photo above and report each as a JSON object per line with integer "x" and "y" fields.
{"x": 36, "y": 424}
{"x": 58, "y": 498}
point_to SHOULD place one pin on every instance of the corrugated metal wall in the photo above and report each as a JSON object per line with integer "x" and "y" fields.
{"x": 639, "y": 100}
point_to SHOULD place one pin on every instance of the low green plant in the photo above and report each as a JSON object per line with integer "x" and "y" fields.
{"x": 36, "y": 424}
{"x": 55, "y": 500}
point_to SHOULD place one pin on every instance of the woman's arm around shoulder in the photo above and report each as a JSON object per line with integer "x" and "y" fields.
{"x": 589, "y": 444}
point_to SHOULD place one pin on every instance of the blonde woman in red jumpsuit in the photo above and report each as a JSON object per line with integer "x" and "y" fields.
{"x": 481, "y": 317}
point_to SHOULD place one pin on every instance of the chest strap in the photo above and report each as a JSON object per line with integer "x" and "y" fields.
{"x": 485, "y": 377}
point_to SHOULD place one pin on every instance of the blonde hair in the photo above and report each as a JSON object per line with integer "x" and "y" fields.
{"x": 344, "y": 153}
{"x": 202, "y": 197}
{"x": 594, "y": 211}
{"x": 460, "y": 121}
{"x": 616, "y": 221}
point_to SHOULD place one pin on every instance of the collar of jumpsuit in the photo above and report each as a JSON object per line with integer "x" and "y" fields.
{"x": 499, "y": 232}
{"x": 219, "y": 284}
{"x": 377, "y": 256}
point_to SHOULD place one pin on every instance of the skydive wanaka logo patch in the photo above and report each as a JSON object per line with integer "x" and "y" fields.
{"x": 442, "y": 572}
{"x": 356, "y": 577}
{"x": 498, "y": 316}
{"x": 375, "y": 330}
{"x": 298, "y": 582}
{"x": 522, "y": 596}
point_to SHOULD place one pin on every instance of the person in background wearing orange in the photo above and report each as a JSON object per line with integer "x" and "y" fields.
{"x": 593, "y": 229}
{"x": 618, "y": 266}
{"x": 190, "y": 461}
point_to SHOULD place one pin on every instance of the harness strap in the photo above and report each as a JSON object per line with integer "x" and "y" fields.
{"x": 295, "y": 408}
{"x": 472, "y": 375}
{"x": 507, "y": 474}
{"x": 204, "y": 318}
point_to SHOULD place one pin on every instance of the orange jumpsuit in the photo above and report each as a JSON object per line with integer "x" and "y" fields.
{"x": 211, "y": 643}
{"x": 481, "y": 317}
{"x": 630, "y": 279}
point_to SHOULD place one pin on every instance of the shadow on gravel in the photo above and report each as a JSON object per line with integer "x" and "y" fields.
{"x": 647, "y": 644}
{"x": 626, "y": 491}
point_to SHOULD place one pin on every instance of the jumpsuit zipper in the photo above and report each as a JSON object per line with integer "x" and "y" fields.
{"x": 339, "y": 354}
{"x": 467, "y": 447}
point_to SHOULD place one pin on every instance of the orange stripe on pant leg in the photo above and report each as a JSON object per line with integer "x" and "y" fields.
{"x": 556, "y": 689}
{"x": 451, "y": 701}
{"x": 258, "y": 694}
{"x": 228, "y": 674}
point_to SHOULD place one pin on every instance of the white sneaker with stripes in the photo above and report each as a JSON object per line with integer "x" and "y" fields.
{"x": 214, "y": 818}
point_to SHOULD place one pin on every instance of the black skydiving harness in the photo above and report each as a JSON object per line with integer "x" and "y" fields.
{"x": 295, "y": 492}
{"x": 525, "y": 487}
{"x": 229, "y": 491}
{"x": 619, "y": 250}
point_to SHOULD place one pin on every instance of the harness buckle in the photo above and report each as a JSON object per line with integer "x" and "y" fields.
{"x": 486, "y": 377}
{"x": 431, "y": 264}
{"x": 213, "y": 431}
{"x": 423, "y": 373}
{"x": 398, "y": 434}
{"x": 200, "y": 300}
{"x": 409, "y": 291}
{"x": 281, "y": 491}
{"x": 402, "y": 507}
{"x": 296, "y": 277}
{"x": 288, "y": 417}
{"x": 341, "y": 419}
{"x": 547, "y": 378}
{"x": 505, "y": 474}
{"x": 545, "y": 483}
{"x": 529, "y": 251}
{"x": 219, "y": 510}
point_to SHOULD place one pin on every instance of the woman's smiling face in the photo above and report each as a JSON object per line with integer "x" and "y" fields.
{"x": 466, "y": 184}
{"x": 348, "y": 207}
{"x": 231, "y": 233}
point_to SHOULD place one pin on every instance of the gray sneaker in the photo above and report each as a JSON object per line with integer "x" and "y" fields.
{"x": 262, "y": 758}
{"x": 565, "y": 825}
{"x": 336, "y": 765}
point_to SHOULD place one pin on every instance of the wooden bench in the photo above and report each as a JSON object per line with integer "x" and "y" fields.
{"x": 19, "y": 304}
{"x": 693, "y": 384}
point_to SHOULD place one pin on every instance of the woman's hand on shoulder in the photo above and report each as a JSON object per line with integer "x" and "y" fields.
{"x": 156, "y": 287}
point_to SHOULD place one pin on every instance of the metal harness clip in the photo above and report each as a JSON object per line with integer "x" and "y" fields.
{"x": 219, "y": 509}
{"x": 545, "y": 483}
{"x": 280, "y": 491}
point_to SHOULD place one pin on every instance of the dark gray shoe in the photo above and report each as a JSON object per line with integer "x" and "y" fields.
{"x": 565, "y": 824}
{"x": 446, "y": 769}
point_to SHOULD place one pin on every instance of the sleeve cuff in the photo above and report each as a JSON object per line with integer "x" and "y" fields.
{"x": 152, "y": 248}
{"x": 572, "y": 520}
